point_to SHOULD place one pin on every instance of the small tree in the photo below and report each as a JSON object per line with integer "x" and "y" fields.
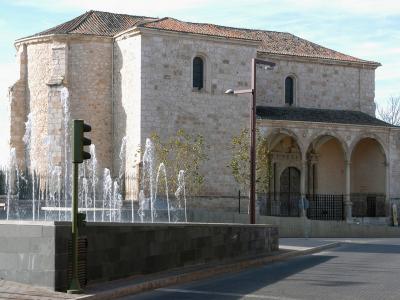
{"x": 182, "y": 152}
{"x": 240, "y": 162}
{"x": 390, "y": 111}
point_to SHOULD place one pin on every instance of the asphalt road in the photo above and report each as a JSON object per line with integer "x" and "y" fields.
{"x": 359, "y": 269}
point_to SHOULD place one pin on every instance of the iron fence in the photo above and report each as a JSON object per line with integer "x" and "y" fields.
{"x": 368, "y": 205}
{"x": 325, "y": 207}
{"x": 2, "y": 181}
{"x": 283, "y": 204}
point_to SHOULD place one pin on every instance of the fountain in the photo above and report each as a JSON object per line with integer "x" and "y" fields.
{"x": 45, "y": 195}
{"x": 49, "y": 192}
{"x": 161, "y": 169}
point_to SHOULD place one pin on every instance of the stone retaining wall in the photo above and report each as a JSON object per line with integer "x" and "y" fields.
{"x": 292, "y": 227}
{"x": 36, "y": 252}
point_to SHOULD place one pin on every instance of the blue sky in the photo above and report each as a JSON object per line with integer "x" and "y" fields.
{"x": 368, "y": 29}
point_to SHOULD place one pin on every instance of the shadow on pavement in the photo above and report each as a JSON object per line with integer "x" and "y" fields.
{"x": 235, "y": 286}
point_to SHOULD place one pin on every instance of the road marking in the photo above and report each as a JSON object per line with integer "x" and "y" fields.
{"x": 224, "y": 294}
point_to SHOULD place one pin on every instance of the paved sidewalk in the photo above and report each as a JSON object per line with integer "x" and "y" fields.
{"x": 301, "y": 244}
{"x": 289, "y": 247}
{"x": 14, "y": 290}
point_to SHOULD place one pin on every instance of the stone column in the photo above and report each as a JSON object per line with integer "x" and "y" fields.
{"x": 347, "y": 200}
{"x": 303, "y": 185}
{"x": 387, "y": 190}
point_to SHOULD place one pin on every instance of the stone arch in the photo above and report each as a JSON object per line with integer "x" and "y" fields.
{"x": 328, "y": 133}
{"x": 206, "y": 69}
{"x": 368, "y": 176}
{"x": 277, "y": 134}
{"x": 287, "y": 166}
{"x": 294, "y": 79}
{"x": 369, "y": 135}
{"x": 326, "y": 158}
{"x": 286, "y": 151}
{"x": 375, "y": 160}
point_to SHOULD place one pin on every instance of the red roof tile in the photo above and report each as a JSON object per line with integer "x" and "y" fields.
{"x": 109, "y": 24}
{"x": 271, "y": 41}
{"x": 97, "y": 23}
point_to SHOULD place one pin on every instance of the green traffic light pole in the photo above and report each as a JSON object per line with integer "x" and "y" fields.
{"x": 74, "y": 287}
{"x": 78, "y": 155}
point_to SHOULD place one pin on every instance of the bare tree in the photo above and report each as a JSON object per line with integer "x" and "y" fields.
{"x": 390, "y": 111}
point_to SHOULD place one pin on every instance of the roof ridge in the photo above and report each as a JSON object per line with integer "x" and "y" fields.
{"x": 156, "y": 21}
{"x": 85, "y": 16}
{"x": 96, "y": 22}
{"x": 224, "y": 26}
{"x": 120, "y": 14}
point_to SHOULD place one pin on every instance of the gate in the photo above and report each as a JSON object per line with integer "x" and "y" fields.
{"x": 325, "y": 207}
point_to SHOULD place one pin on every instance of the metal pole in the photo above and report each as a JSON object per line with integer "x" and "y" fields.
{"x": 252, "y": 191}
{"x": 74, "y": 287}
{"x": 239, "y": 201}
{"x": 253, "y": 145}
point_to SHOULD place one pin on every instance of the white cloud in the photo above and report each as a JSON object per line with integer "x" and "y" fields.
{"x": 164, "y": 8}
{"x": 356, "y": 7}
{"x": 148, "y": 7}
{"x": 390, "y": 71}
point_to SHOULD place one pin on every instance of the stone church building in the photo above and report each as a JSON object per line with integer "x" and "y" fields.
{"x": 133, "y": 75}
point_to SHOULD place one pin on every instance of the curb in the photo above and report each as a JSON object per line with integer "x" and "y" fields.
{"x": 201, "y": 274}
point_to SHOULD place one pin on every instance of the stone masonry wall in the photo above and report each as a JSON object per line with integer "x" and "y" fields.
{"x": 27, "y": 253}
{"x": 89, "y": 84}
{"x": 18, "y": 108}
{"x": 122, "y": 250}
{"x": 169, "y": 102}
{"x": 83, "y": 65}
{"x": 318, "y": 86}
{"x": 152, "y": 91}
{"x": 127, "y": 101}
{"x": 39, "y": 73}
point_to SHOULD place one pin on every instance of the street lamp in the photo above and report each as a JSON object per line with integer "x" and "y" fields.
{"x": 269, "y": 66}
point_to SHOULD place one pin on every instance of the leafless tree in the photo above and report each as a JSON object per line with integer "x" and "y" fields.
{"x": 390, "y": 111}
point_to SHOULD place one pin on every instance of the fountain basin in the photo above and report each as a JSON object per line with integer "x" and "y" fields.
{"x": 37, "y": 252}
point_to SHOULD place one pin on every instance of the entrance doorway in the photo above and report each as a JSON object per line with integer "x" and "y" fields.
{"x": 290, "y": 192}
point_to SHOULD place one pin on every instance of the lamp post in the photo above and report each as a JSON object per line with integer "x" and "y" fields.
{"x": 269, "y": 65}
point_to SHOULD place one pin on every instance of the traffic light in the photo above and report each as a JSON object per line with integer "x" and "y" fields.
{"x": 79, "y": 141}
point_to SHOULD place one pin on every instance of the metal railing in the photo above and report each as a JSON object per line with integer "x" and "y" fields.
{"x": 2, "y": 181}
{"x": 325, "y": 207}
{"x": 368, "y": 205}
{"x": 283, "y": 204}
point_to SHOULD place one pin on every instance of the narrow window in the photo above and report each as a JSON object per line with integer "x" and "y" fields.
{"x": 198, "y": 70}
{"x": 289, "y": 90}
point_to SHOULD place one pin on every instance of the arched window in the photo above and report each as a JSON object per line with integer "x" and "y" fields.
{"x": 198, "y": 72}
{"x": 289, "y": 90}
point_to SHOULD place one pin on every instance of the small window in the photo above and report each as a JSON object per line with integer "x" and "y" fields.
{"x": 289, "y": 90}
{"x": 198, "y": 72}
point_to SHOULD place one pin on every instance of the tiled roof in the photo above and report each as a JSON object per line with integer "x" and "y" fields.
{"x": 271, "y": 41}
{"x": 109, "y": 24}
{"x": 97, "y": 23}
{"x": 318, "y": 115}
